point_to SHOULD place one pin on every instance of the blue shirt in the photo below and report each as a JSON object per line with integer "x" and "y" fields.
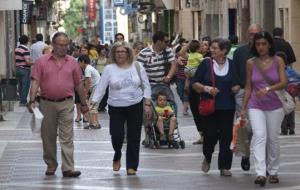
{"x": 225, "y": 98}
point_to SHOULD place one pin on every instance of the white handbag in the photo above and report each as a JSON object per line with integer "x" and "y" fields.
{"x": 288, "y": 103}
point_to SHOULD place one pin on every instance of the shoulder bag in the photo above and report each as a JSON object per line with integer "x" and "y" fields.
{"x": 287, "y": 101}
{"x": 207, "y": 106}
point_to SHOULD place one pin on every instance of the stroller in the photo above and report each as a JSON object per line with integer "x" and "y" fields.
{"x": 151, "y": 132}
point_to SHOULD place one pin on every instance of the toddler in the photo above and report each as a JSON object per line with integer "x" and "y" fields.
{"x": 165, "y": 115}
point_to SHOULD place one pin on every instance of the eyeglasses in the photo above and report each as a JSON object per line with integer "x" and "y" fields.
{"x": 121, "y": 51}
{"x": 60, "y": 45}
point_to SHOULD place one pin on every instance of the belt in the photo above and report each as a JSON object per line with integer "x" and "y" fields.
{"x": 23, "y": 67}
{"x": 57, "y": 100}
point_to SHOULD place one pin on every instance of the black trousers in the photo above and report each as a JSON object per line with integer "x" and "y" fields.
{"x": 194, "y": 99}
{"x": 218, "y": 127}
{"x": 133, "y": 115}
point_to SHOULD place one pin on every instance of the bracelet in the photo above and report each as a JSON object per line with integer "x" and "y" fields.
{"x": 31, "y": 101}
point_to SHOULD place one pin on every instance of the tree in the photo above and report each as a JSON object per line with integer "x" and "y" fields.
{"x": 73, "y": 18}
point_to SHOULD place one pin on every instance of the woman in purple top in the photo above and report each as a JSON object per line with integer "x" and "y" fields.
{"x": 264, "y": 107}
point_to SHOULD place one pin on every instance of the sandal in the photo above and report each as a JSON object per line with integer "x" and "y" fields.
{"x": 261, "y": 180}
{"x": 273, "y": 179}
{"x": 77, "y": 120}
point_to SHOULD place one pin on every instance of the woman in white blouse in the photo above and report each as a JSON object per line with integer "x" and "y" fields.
{"x": 129, "y": 94}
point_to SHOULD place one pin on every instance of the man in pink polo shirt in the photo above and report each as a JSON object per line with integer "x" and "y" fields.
{"x": 57, "y": 74}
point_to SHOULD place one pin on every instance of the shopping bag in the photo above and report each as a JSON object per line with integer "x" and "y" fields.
{"x": 36, "y": 120}
{"x": 240, "y": 144}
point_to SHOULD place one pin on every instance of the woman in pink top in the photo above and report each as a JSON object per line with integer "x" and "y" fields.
{"x": 264, "y": 107}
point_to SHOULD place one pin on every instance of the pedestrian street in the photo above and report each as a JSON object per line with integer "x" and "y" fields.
{"x": 22, "y": 166}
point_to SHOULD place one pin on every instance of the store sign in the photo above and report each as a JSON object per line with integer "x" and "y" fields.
{"x": 26, "y": 12}
{"x": 91, "y": 9}
{"x": 118, "y": 3}
{"x": 6, "y": 5}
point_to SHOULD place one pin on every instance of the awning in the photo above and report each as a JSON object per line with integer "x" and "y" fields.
{"x": 164, "y": 4}
{"x": 6, "y": 5}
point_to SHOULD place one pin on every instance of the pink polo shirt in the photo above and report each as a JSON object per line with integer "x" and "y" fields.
{"x": 57, "y": 78}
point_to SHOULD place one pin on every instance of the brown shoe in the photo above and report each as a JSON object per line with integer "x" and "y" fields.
{"x": 70, "y": 173}
{"x": 205, "y": 166}
{"x": 131, "y": 171}
{"x": 50, "y": 171}
{"x": 116, "y": 165}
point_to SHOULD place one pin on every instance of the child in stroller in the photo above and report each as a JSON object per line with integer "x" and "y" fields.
{"x": 169, "y": 133}
{"x": 166, "y": 116}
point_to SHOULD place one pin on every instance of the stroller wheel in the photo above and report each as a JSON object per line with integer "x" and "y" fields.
{"x": 182, "y": 144}
{"x": 175, "y": 145}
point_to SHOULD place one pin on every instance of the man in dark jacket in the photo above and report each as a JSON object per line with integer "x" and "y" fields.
{"x": 281, "y": 45}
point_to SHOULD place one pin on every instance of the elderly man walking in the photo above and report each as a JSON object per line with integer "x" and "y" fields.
{"x": 57, "y": 74}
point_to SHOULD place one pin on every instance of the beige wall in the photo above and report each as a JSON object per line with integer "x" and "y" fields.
{"x": 186, "y": 24}
{"x": 2, "y": 45}
{"x": 294, "y": 30}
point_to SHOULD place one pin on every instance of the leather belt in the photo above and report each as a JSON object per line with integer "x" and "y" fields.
{"x": 57, "y": 100}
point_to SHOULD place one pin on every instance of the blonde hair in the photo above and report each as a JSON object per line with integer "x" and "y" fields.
{"x": 46, "y": 48}
{"x": 128, "y": 50}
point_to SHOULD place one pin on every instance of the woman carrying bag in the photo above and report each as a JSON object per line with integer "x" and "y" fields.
{"x": 264, "y": 107}
{"x": 129, "y": 97}
{"x": 216, "y": 79}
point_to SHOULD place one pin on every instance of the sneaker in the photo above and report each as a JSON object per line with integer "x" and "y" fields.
{"x": 245, "y": 163}
{"x": 205, "y": 166}
{"x": 97, "y": 126}
{"x": 225, "y": 173}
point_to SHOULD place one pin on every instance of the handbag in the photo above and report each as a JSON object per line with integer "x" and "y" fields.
{"x": 138, "y": 69}
{"x": 288, "y": 103}
{"x": 207, "y": 106}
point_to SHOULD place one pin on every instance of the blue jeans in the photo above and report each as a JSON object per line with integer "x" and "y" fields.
{"x": 180, "y": 90}
{"x": 23, "y": 76}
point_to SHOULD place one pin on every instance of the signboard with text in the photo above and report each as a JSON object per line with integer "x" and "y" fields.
{"x": 91, "y": 4}
{"x": 26, "y": 12}
{"x": 118, "y": 3}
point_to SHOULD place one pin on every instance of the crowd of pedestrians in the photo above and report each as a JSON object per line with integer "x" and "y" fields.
{"x": 240, "y": 78}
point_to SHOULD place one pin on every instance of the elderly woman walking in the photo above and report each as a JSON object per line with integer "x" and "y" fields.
{"x": 216, "y": 78}
{"x": 129, "y": 94}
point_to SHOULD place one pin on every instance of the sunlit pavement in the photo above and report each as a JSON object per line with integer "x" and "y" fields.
{"x": 22, "y": 167}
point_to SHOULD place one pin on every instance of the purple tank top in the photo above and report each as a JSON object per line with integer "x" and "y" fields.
{"x": 271, "y": 100}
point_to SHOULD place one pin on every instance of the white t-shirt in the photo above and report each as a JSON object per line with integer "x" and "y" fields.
{"x": 36, "y": 50}
{"x": 91, "y": 72}
{"x": 124, "y": 85}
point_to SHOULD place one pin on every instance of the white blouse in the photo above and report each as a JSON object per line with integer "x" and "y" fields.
{"x": 124, "y": 85}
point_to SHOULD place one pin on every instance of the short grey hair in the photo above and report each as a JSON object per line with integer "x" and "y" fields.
{"x": 128, "y": 50}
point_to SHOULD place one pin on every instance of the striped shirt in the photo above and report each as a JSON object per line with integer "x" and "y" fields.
{"x": 22, "y": 53}
{"x": 180, "y": 71}
{"x": 154, "y": 63}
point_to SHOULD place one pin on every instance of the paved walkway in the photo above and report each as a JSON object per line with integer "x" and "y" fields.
{"x": 22, "y": 167}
